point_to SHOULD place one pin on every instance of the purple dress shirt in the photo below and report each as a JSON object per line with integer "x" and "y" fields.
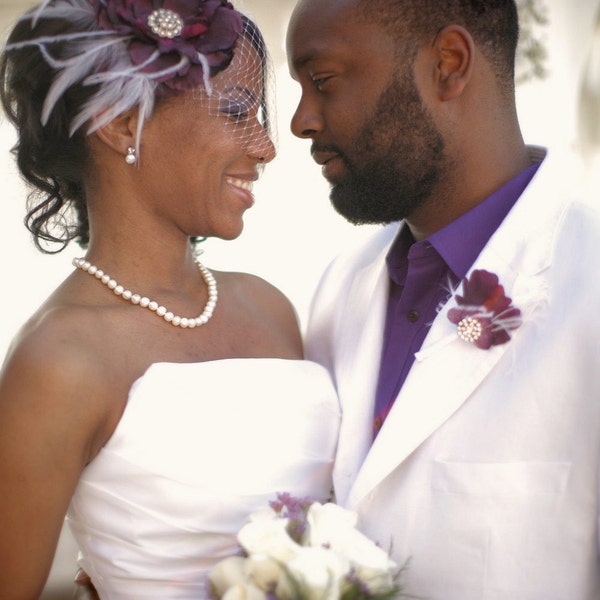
{"x": 422, "y": 275}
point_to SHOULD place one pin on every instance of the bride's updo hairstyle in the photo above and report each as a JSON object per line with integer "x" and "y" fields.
{"x": 69, "y": 67}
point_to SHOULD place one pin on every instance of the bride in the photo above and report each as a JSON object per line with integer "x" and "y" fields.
{"x": 153, "y": 402}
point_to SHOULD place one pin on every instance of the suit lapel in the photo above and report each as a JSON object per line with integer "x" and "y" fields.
{"x": 359, "y": 350}
{"x": 447, "y": 370}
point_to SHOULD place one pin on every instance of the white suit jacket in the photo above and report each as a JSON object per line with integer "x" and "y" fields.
{"x": 485, "y": 475}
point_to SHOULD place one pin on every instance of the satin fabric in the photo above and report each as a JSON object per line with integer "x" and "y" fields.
{"x": 199, "y": 447}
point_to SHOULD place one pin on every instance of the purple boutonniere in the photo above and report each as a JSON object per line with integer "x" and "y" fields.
{"x": 484, "y": 314}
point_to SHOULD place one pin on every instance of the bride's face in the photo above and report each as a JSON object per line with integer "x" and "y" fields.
{"x": 200, "y": 151}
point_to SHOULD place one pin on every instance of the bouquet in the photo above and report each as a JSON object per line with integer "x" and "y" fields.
{"x": 298, "y": 549}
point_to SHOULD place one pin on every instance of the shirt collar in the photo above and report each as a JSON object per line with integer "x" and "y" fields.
{"x": 461, "y": 242}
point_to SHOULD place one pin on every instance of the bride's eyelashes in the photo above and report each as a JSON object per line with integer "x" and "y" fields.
{"x": 239, "y": 103}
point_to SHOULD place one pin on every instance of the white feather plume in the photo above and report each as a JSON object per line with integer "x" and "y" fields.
{"x": 94, "y": 61}
{"x": 92, "y": 56}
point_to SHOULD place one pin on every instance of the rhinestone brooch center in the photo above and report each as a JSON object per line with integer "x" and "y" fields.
{"x": 165, "y": 23}
{"x": 470, "y": 329}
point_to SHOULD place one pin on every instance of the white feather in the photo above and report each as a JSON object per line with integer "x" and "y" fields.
{"x": 73, "y": 70}
{"x": 94, "y": 61}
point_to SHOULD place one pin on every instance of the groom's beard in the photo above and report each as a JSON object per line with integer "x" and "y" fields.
{"x": 395, "y": 161}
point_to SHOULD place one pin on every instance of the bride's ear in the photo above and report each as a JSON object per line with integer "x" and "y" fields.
{"x": 120, "y": 134}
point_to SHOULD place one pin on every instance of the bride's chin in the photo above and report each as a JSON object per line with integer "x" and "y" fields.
{"x": 229, "y": 236}
{"x": 227, "y": 232}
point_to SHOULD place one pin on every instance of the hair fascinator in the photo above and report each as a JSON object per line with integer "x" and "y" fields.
{"x": 133, "y": 50}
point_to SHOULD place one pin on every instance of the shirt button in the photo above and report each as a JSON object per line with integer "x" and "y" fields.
{"x": 412, "y": 316}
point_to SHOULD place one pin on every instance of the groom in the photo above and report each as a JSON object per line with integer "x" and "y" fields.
{"x": 470, "y": 442}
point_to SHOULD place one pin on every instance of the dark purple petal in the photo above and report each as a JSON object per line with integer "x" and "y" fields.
{"x": 478, "y": 288}
{"x": 456, "y": 315}
{"x": 211, "y": 28}
{"x": 512, "y": 313}
{"x": 500, "y": 336}
{"x": 192, "y": 8}
{"x": 484, "y": 299}
{"x": 485, "y": 341}
{"x": 192, "y": 77}
{"x": 139, "y": 52}
{"x": 496, "y": 300}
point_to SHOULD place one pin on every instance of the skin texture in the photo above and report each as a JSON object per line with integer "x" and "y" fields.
{"x": 465, "y": 129}
{"x": 64, "y": 384}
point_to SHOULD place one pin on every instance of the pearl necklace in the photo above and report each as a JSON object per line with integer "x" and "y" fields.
{"x": 155, "y": 307}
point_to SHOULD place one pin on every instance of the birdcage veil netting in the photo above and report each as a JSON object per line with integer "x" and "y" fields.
{"x": 243, "y": 94}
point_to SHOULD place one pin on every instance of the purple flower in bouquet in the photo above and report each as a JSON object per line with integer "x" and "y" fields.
{"x": 177, "y": 40}
{"x": 294, "y": 509}
{"x": 484, "y": 314}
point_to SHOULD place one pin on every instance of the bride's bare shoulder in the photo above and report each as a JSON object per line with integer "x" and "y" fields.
{"x": 263, "y": 303}
{"x": 57, "y": 338}
{"x": 54, "y": 366}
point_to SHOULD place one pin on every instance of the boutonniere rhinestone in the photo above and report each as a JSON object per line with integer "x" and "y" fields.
{"x": 484, "y": 314}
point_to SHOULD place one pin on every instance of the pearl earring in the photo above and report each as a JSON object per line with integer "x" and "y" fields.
{"x": 131, "y": 158}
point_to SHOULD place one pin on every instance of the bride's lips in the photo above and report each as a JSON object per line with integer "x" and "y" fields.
{"x": 242, "y": 186}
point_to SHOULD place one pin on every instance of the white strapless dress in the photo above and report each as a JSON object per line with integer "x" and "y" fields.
{"x": 199, "y": 447}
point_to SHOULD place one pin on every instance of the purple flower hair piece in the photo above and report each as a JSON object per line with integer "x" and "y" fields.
{"x": 484, "y": 314}
{"x": 181, "y": 45}
{"x": 132, "y": 51}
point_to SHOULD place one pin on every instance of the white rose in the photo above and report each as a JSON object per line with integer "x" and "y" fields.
{"x": 244, "y": 591}
{"x": 325, "y": 518}
{"x": 227, "y": 573}
{"x": 269, "y": 538}
{"x": 376, "y": 580}
{"x": 263, "y": 571}
{"x": 287, "y": 588}
{"x": 319, "y": 572}
{"x": 264, "y": 514}
{"x": 332, "y": 526}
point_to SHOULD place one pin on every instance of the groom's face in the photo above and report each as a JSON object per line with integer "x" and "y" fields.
{"x": 378, "y": 145}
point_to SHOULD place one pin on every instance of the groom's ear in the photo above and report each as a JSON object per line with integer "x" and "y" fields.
{"x": 454, "y": 50}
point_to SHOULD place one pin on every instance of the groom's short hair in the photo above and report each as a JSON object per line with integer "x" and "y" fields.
{"x": 493, "y": 24}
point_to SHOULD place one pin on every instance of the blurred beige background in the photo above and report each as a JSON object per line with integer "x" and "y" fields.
{"x": 292, "y": 233}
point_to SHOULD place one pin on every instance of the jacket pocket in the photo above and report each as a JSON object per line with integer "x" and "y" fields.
{"x": 500, "y": 479}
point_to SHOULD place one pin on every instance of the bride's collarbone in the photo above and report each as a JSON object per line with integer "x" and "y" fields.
{"x": 128, "y": 338}
{"x": 154, "y": 342}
